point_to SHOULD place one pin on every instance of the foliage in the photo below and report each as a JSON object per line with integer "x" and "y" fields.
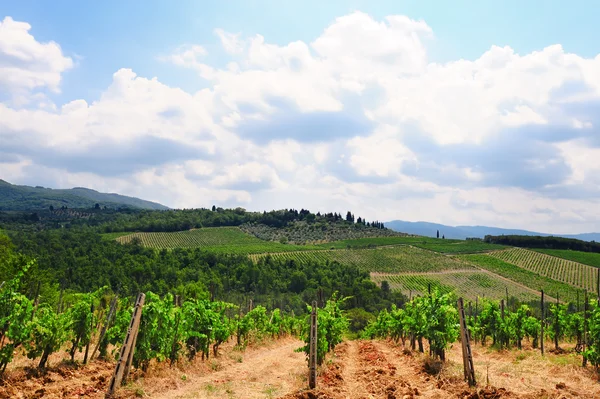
{"x": 331, "y": 326}
{"x": 48, "y": 334}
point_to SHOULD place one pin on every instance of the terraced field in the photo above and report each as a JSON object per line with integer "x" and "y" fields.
{"x": 218, "y": 239}
{"x": 396, "y": 259}
{"x": 569, "y": 272}
{"x": 469, "y": 284}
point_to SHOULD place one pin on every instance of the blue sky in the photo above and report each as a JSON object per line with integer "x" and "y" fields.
{"x": 457, "y": 112}
{"x": 113, "y": 34}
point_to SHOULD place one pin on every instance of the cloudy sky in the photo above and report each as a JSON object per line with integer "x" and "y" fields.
{"x": 453, "y": 112}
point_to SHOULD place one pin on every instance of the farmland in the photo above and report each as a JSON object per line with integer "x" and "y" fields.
{"x": 397, "y": 259}
{"x": 587, "y": 258}
{"x": 458, "y": 246}
{"x": 565, "y": 271}
{"x": 216, "y": 239}
{"x": 467, "y": 283}
{"x": 523, "y": 276}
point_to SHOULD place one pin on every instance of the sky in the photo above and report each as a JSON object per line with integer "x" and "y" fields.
{"x": 462, "y": 113}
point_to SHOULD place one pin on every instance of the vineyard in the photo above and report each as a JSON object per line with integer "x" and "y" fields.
{"x": 470, "y": 284}
{"x": 395, "y": 259}
{"x": 586, "y": 258}
{"x": 562, "y": 270}
{"x": 458, "y": 246}
{"x": 217, "y": 239}
{"x": 525, "y": 277}
{"x": 302, "y": 232}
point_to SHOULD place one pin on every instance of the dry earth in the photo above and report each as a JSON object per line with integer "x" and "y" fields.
{"x": 357, "y": 370}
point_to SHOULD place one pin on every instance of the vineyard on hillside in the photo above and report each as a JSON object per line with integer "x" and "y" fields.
{"x": 302, "y": 232}
{"x": 459, "y": 246}
{"x": 470, "y": 284}
{"x": 587, "y": 258}
{"x": 525, "y": 277}
{"x": 398, "y": 259}
{"x": 573, "y": 273}
{"x": 217, "y": 239}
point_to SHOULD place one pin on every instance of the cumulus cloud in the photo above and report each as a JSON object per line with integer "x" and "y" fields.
{"x": 27, "y": 64}
{"x": 357, "y": 118}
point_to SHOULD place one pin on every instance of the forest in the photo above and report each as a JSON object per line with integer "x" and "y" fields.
{"x": 79, "y": 260}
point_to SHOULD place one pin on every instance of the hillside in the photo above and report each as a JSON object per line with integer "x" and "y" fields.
{"x": 27, "y": 198}
{"x": 462, "y": 232}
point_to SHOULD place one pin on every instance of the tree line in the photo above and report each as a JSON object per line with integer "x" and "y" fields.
{"x": 540, "y": 242}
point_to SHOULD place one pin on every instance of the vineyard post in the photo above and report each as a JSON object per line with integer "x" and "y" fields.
{"x": 585, "y": 305}
{"x": 469, "y": 370}
{"x": 506, "y": 288}
{"x": 502, "y": 343}
{"x": 542, "y": 324}
{"x": 126, "y": 349}
{"x": 87, "y": 347}
{"x": 556, "y": 325}
{"x": 137, "y": 310}
{"x": 113, "y": 307}
{"x": 312, "y": 360}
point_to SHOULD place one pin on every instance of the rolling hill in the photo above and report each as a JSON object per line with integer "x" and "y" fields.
{"x": 26, "y": 198}
{"x": 462, "y": 232}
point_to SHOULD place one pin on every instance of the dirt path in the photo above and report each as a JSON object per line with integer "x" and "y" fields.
{"x": 264, "y": 373}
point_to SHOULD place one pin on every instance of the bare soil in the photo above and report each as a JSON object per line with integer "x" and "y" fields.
{"x": 356, "y": 370}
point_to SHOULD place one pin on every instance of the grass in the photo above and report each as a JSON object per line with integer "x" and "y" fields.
{"x": 524, "y": 276}
{"x": 565, "y": 271}
{"x": 396, "y": 259}
{"x": 113, "y": 236}
{"x": 587, "y": 258}
{"x": 469, "y": 284}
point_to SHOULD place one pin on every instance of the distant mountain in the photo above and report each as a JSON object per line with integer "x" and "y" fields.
{"x": 462, "y": 232}
{"x": 24, "y": 198}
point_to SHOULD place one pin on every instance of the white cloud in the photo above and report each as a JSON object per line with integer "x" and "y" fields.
{"x": 356, "y": 119}
{"x": 27, "y": 64}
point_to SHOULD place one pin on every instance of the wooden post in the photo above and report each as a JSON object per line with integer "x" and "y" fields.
{"x": 506, "y": 288}
{"x": 585, "y": 306}
{"x": 502, "y": 337}
{"x": 127, "y": 348}
{"x": 556, "y": 325}
{"x": 469, "y": 370}
{"x": 111, "y": 312}
{"x": 542, "y": 324}
{"x": 598, "y": 287}
{"x": 87, "y": 347}
{"x": 312, "y": 359}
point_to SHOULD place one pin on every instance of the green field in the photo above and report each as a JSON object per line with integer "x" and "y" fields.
{"x": 587, "y": 258}
{"x": 113, "y": 236}
{"x": 565, "y": 271}
{"x": 469, "y": 284}
{"x": 217, "y": 239}
{"x": 398, "y": 259}
{"x": 458, "y": 246}
{"x": 523, "y": 276}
